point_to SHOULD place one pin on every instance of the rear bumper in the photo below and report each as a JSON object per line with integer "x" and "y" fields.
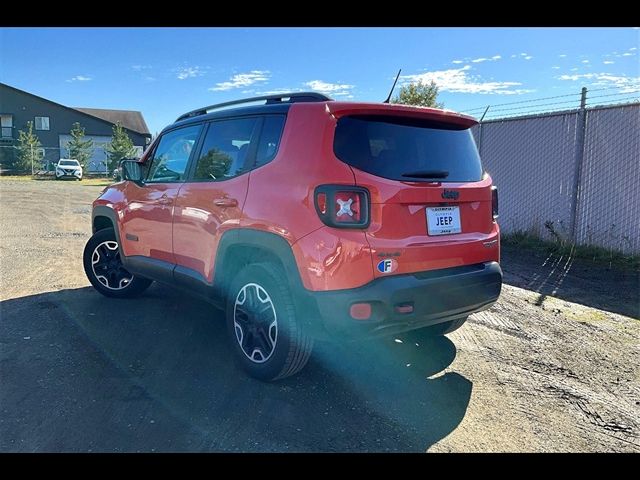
{"x": 436, "y": 296}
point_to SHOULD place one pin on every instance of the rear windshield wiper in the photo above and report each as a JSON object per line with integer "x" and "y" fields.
{"x": 427, "y": 174}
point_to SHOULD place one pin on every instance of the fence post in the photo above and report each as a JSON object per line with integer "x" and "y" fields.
{"x": 481, "y": 131}
{"x": 581, "y": 126}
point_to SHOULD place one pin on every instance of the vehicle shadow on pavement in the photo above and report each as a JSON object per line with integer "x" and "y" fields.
{"x": 81, "y": 372}
{"x": 573, "y": 280}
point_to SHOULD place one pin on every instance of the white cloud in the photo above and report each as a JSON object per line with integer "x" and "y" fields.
{"x": 189, "y": 72}
{"x": 279, "y": 91}
{"x": 624, "y": 83}
{"x": 628, "y": 53}
{"x": 608, "y": 62}
{"x": 334, "y": 89}
{"x": 585, "y": 61}
{"x": 240, "y": 80}
{"x": 555, "y": 67}
{"x": 575, "y": 77}
{"x": 528, "y": 57}
{"x": 562, "y": 55}
{"x": 139, "y": 68}
{"x": 80, "y": 78}
{"x": 514, "y": 55}
{"x": 458, "y": 61}
{"x": 459, "y": 80}
{"x": 485, "y": 59}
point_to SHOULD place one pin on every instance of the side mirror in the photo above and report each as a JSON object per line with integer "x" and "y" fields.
{"x": 131, "y": 170}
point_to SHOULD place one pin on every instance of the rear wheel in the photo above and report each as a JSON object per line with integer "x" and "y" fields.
{"x": 445, "y": 327}
{"x": 268, "y": 339}
{"x": 104, "y": 269}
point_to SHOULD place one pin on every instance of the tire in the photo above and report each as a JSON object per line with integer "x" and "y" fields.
{"x": 446, "y": 327}
{"x": 274, "y": 345}
{"x": 116, "y": 282}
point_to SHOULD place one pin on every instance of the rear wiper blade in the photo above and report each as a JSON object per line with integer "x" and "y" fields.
{"x": 427, "y": 174}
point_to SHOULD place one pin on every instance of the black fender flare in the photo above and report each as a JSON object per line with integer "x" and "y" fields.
{"x": 249, "y": 237}
{"x": 103, "y": 211}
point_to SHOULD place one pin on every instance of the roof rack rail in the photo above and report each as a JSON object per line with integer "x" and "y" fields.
{"x": 270, "y": 99}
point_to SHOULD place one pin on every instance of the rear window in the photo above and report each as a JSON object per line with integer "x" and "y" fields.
{"x": 405, "y": 149}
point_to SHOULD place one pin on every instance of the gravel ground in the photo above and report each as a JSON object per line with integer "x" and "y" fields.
{"x": 553, "y": 366}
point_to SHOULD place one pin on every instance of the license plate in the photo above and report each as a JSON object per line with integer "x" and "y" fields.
{"x": 443, "y": 220}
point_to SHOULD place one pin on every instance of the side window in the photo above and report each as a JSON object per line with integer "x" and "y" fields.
{"x": 171, "y": 156}
{"x": 269, "y": 139}
{"x": 225, "y": 148}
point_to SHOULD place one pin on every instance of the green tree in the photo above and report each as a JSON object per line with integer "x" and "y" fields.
{"x": 79, "y": 148}
{"x": 419, "y": 94}
{"x": 120, "y": 146}
{"x": 28, "y": 149}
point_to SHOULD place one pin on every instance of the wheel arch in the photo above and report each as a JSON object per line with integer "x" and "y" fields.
{"x": 240, "y": 247}
{"x": 104, "y": 217}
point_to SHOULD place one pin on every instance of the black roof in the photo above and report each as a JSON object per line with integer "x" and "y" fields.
{"x": 131, "y": 119}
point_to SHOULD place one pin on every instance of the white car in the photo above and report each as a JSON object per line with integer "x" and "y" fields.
{"x": 68, "y": 168}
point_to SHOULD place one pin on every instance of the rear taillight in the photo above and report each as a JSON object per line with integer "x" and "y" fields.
{"x": 494, "y": 202}
{"x": 342, "y": 206}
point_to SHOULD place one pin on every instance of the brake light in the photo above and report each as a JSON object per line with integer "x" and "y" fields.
{"x": 342, "y": 206}
{"x": 494, "y": 202}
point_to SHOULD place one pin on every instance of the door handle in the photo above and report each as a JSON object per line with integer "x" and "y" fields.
{"x": 225, "y": 202}
{"x": 165, "y": 200}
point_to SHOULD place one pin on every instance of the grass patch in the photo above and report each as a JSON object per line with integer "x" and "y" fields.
{"x": 597, "y": 255}
{"x": 87, "y": 181}
{"x": 19, "y": 178}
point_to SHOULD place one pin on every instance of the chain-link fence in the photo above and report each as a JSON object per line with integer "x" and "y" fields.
{"x": 572, "y": 175}
{"x": 45, "y": 160}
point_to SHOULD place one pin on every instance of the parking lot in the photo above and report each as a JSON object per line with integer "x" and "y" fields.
{"x": 553, "y": 366}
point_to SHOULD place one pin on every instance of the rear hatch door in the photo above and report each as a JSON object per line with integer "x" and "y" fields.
{"x": 430, "y": 199}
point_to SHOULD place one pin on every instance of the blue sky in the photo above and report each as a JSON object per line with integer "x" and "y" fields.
{"x": 165, "y": 72}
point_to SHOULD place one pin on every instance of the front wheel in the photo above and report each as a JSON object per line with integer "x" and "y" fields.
{"x": 269, "y": 340}
{"x": 104, "y": 269}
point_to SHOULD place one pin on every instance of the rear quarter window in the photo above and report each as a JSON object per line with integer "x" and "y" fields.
{"x": 393, "y": 147}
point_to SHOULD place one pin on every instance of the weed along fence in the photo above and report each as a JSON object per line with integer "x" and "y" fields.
{"x": 572, "y": 175}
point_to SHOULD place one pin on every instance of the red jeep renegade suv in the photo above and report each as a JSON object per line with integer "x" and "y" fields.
{"x": 306, "y": 218}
